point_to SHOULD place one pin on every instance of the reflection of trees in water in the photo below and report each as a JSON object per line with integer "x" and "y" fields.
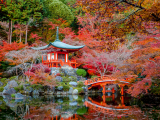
{"x": 22, "y": 110}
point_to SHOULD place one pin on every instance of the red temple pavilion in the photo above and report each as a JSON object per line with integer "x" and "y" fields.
{"x": 58, "y": 53}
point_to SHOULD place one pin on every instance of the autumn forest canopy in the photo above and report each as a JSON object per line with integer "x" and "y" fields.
{"x": 121, "y": 38}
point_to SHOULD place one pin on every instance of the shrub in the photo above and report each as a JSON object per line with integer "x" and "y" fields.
{"x": 61, "y": 74}
{"x": 108, "y": 99}
{"x": 13, "y": 95}
{"x": 1, "y": 89}
{"x": 81, "y": 72}
{"x": 80, "y": 84}
{"x": 3, "y": 80}
{"x": 73, "y": 78}
{"x": 18, "y": 88}
{"x": 13, "y": 78}
{"x": 93, "y": 76}
{"x": 37, "y": 86}
{"x": 66, "y": 79}
{"x": 80, "y": 90}
{"x": 65, "y": 87}
{"x": 81, "y": 111}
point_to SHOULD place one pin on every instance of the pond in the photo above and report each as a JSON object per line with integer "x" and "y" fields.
{"x": 76, "y": 107}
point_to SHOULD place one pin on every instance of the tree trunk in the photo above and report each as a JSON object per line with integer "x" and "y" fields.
{"x": 20, "y": 35}
{"x": 26, "y": 32}
{"x": 11, "y": 34}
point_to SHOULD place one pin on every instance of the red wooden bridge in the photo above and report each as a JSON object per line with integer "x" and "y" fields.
{"x": 103, "y": 81}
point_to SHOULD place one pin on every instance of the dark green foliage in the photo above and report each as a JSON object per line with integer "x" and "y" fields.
{"x": 73, "y": 78}
{"x": 80, "y": 90}
{"x": 81, "y": 111}
{"x": 80, "y": 84}
{"x": 65, "y": 87}
{"x": 18, "y": 88}
{"x": 108, "y": 99}
{"x": 13, "y": 78}
{"x": 81, "y": 72}
{"x": 3, "y": 80}
{"x": 94, "y": 76}
{"x": 57, "y": 9}
{"x": 37, "y": 86}
{"x": 4, "y": 65}
{"x": 13, "y": 95}
{"x": 155, "y": 87}
{"x": 1, "y": 89}
{"x": 141, "y": 76}
{"x": 66, "y": 79}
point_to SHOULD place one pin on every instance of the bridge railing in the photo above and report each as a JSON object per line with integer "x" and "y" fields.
{"x": 99, "y": 79}
{"x": 104, "y": 78}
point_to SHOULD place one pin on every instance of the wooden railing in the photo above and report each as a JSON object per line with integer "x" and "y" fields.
{"x": 56, "y": 63}
{"x": 106, "y": 78}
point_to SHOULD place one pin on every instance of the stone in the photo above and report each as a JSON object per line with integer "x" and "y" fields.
{"x": 25, "y": 86}
{"x": 1, "y": 84}
{"x": 59, "y": 78}
{"x": 54, "y": 70}
{"x": 85, "y": 89}
{"x": 58, "y": 93}
{"x": 35, "y": 96}
{"x": 29, "y": 90}
{"x": 59, "y": 107}
{"x": 35, "y": 92}
{"x": 12, "y": 105}
{"x": 7, "y": 98}
{"x": 70, "y": 97}
{"x": 60, "y": 88}
{"x": 69, "y": 70}
{"x": 75, "y": 97}
{"x": 74, "y": 84}
{"x": 9, "y": 91}
{"x": 70, "y": 90}
{"x": 75, "y": 91}
{"x": 52, "y": 89}
{"x": 60, "y": 100}
{"x": 12, "y": 84}
{"x": 74, "y": 103}
{"x": 19, "y": 96}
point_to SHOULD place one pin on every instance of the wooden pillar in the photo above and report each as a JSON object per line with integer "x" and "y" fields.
{"x": 56, "y": 117}
{"x": 113, "y": 97}
{"x": 75, "y": 65}
{"x": 122, "y": 90}
{"x": 75, "y": 116}
{"x": 113, "y": 90}
{"x": 104, "y": 98}
{"x": 104, "y": 89}
{"x": 122, "y": 100}
{"x": 50, "y": 57}
{"x": 56, "y": 56}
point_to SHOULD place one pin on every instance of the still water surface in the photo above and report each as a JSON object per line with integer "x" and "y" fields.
{"x": 75, "y": 107}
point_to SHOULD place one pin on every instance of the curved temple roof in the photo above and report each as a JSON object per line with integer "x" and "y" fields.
{"x": 57, "y": 43}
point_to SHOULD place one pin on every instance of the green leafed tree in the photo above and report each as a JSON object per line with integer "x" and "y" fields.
{"x": 57, "y": 9}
